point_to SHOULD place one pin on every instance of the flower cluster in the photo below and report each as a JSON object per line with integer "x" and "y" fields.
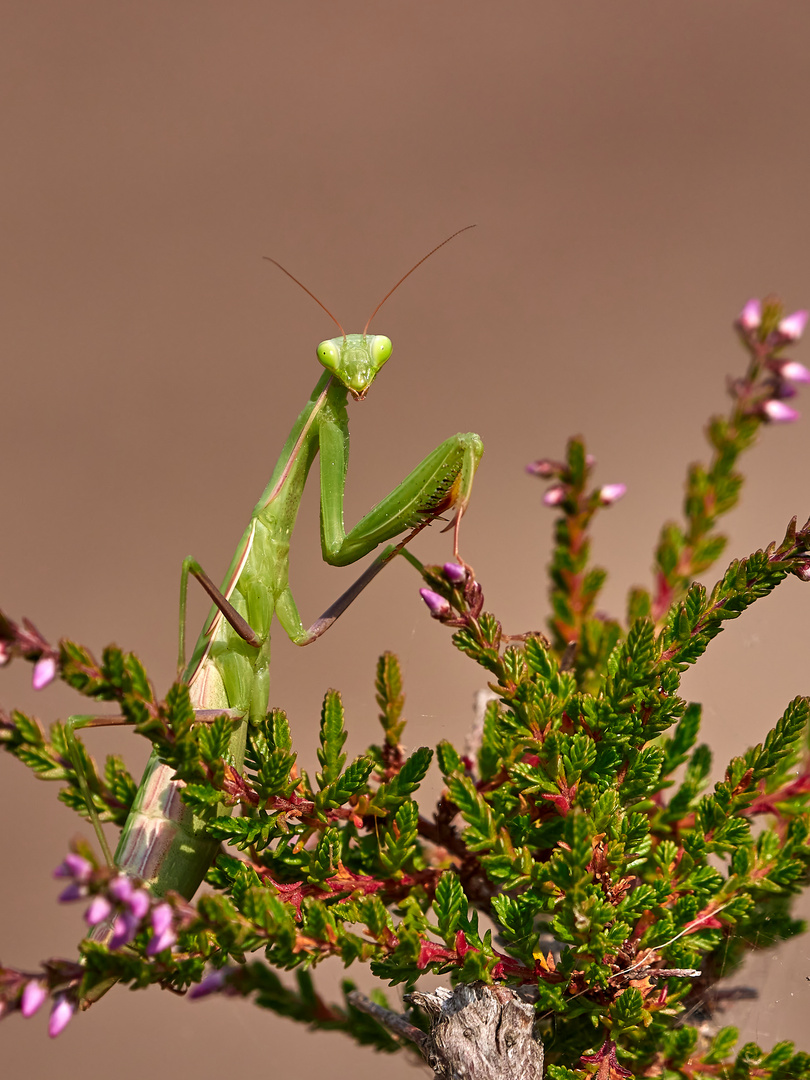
{"x": 27, "y": 642}
{"x": 772, "y": 378}
{"x": 456, "y": 583}
{"x": 33, "y": 996}
{"x": 574, "y": 589}
{"x": 119, "y": 909}
{"x": 560, "y": 493}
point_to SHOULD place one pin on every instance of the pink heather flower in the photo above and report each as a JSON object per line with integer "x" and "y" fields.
{"x": 779, "y": 413}
{"x": 121, "y": 889}
{"x": 33, "y": 996}
{"x": 793, "y": 371}
{"x": 212, "y": 982}
{"x": 5, "y": 653}
{"x": 75, "y": 866}
{"x": 125, "y": 928}
{"x": 543, "y": 467}
{"x": 139, "y": 903}
{"x": 802, "y": 571}
{"x": 554, "y": 496}
{"x": 162, "y": 916}
{"x": 44, "y": 672}
{"x": 61, "y": 1013}
{"x": 99, "y": 910}
{"x": 160, "y": 942}
{"x": 437, "y": 604}
{"x": 792, "y": 326}
{"x": 455, "y": 573}
{"x": 164, "y": 936}
{"x": 751, "y": 315}
{"x": 611, "y": 493}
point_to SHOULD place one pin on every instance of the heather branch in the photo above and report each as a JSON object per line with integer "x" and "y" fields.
{"x": 694, "y": 622}
{"x": 575, "y": 586}
{"x": 758, "y": 397}
{"x": 395, "y": 1022}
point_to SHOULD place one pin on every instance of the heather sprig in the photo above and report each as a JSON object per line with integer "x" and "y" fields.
{"x": 759, "y": 397}
{"x": 574, "y": 585}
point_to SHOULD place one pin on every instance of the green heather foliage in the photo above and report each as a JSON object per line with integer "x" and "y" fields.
{"x": 582, "y": 855}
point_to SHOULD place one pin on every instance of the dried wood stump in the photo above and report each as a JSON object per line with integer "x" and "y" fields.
{"x": 477, "y": 1032}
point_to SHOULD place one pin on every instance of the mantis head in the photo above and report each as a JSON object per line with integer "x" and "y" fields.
{"x": 355, "y": 360}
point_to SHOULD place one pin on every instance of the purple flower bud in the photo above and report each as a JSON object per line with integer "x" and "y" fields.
{"x": 554, "y": 496}
{"x": 99, "y": 910}
{"x": 751, "y": 315}
{"x": 75, "y": 866}
{"x": 794, "y": 372}
{"x": 44, "y": 672}
{"x": 5, "y": 653}
{"x": 455, "y": 573}
{"x": 611, "y": 493}
{"x": 802, "y": 571}
{"x": 125, "y": 928}
{"x": 779, "y": 413}
{"x": 543, "y": 467}
{"x": 61, "y": 1014}
{"x": 33, "y": 996}
{"x": 212, "y": 982}
{"x": 74, "y": 891}
{"x": 792, "y": 326}
{"x": 784, "y": 390}
{"x": 121, "y": 889}
{"x": 139, "y": 903}
{"x": 437, "y": 604}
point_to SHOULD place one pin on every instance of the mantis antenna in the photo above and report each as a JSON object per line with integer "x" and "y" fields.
{"x": 312, "y": 294}
{"x": 424, "y": 257}
{"x": 301, "y": 285}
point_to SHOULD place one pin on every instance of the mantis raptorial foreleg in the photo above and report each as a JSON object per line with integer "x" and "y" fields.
{"x": 228, "y": 671}
{"x": 442, "y": 480}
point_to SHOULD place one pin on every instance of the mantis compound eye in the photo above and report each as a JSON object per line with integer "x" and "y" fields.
{"x": 381, "y": 349}
{"x": 329, "y": 354}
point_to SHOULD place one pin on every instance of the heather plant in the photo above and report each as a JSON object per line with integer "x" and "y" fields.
{"x": 581, "y": 886}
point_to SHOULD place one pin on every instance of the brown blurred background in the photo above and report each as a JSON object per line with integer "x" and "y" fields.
{"x": 636, "y": 172}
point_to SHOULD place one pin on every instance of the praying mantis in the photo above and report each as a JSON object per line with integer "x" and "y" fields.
{"x": 163, "y": 843}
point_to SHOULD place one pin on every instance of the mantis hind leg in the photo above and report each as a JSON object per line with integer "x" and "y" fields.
{"x": 443, "y": 480}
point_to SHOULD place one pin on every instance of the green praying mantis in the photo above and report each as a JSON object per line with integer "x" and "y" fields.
{"x": 163, "y": 842}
